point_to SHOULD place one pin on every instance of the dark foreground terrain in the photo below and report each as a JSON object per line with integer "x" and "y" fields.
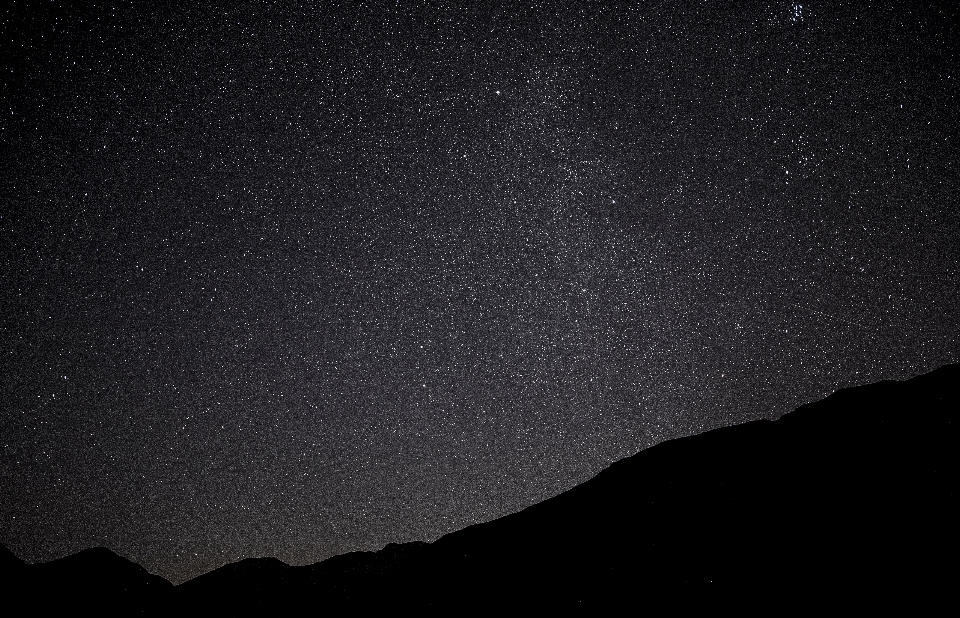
{"x": 844, "y": 502}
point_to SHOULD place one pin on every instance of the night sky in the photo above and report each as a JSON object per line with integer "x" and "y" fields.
{"x": 280, "y": 280}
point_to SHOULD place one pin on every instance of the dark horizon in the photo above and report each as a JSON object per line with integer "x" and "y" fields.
{"x": 922, "y": 399}
{"x": 291, "y": 281}
{"x": 839, "y": 501}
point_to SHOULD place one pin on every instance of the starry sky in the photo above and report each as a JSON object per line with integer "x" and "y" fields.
{"x": 288, "y": 280}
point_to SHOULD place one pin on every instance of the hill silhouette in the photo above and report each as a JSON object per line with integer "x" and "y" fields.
{"x": 847, "y": 500}
{"x": 94, "y": 581}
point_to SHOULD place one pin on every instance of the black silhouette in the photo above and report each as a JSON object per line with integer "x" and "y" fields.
{"x": 846, "y": 501}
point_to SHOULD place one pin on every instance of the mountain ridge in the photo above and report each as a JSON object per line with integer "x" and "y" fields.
{"x": 836, "y": 496}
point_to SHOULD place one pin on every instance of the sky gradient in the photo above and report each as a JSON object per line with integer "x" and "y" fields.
{"x": 288, "y": 281}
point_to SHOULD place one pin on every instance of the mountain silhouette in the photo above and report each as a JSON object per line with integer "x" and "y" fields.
{"x": 846, "y": 501}
{"x": 94, "y": 581}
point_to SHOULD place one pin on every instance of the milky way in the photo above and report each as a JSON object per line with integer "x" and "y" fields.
{"x": 283, "y": 281}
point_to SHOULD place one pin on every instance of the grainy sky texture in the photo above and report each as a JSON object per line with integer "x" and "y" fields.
{"x": 280, "y": 280}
